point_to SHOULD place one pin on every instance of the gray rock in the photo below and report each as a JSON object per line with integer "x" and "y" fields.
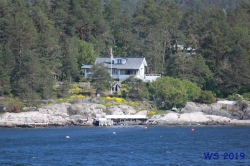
{"x": 121, "y": 110}
{"x": 82, "y": 114}
{"x": 142, "y": 112}
{"x": 213, "y": 109}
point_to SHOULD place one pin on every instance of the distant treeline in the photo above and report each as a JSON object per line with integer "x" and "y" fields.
{"x": 198, "y": 5}
{"x": 44, "y": 40}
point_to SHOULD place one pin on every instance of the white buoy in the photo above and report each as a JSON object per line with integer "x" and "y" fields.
{"x": 145, "y": 127}
{"x": 114, "y": 133}
{"x": 67, "y": 136}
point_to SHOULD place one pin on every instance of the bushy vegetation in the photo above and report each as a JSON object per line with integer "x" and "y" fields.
{"x": 235, "y": 97}
{"x": 173, "y": 91}
{"x": 135, "y": 89}
{"x": 206, "y": 97}
{"x": 246, "y": 96}
{"x": 118, "y": 101}
{"x": 151, "y": 113}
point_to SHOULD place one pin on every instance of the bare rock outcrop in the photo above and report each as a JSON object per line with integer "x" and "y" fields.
{"x": 121, "y": 110}
{"x": 142, "y": 112}
{"x": 186, "y": 117}
{"x": 213, "y": 109}
{"x": 191, "y": 118}
{"x": 57, "y": 114}
{"x": 83, "y": 114}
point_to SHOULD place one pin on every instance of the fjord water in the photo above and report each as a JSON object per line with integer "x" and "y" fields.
{"x": 124, "y": 145}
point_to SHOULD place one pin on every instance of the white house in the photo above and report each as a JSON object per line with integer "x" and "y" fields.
{"x": 122, "y": 68}
{"x": 188, "y": 50}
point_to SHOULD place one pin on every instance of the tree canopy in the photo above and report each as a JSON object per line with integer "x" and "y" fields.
{"x": 41, "y": 40}
{"x": 100, "y": 78}
{"x": 173, "y": 91}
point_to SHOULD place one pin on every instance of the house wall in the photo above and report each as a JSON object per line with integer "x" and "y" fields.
{"x": 115, "y": 77}
{"x": 141, "y": 71}
{"x": 123, "y": 77}
{"x": 86, "y": 72}
{"x": 118, "y": 75}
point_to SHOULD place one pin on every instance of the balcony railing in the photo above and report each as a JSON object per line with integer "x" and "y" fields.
{"x": 152, "y": 75}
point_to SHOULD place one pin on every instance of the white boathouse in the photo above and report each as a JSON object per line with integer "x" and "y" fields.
{"x": 109, "y": 120}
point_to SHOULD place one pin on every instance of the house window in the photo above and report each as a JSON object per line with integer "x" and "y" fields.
{"x": 122, "y": 72}
{"x": 127, "y": 72}
{"x": 114, "y": 71}
{"x": 119, "y": 61}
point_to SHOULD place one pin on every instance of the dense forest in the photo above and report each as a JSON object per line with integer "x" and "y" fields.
{"x": 41, "y": 40}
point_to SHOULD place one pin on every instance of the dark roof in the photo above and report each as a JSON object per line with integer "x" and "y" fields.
{"x": 131, "y": 63}
{"x": 86, "y": 66}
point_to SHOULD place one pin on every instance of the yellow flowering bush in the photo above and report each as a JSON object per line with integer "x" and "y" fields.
{"x": 76, "y": 96}
{"x": 151, "y": 113}
{"x": 133, "y": 104}
{"x": 80, "y": 96}
{"x": 120, "y": 100}
{"x": 75, "y": 90}
{"x": 61, "y": 100}
{"x": 109, "y": 98}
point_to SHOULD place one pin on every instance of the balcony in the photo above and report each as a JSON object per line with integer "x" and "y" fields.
{"x": 151, "y": 77}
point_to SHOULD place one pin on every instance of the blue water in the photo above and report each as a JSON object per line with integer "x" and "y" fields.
{"x": 133, "y": 145}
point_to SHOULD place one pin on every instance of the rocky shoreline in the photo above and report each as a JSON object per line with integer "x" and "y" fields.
{"x": 66, "y": 114}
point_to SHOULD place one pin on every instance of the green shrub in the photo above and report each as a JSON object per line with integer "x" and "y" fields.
{"x": 206, "y": 97}
{"x": 246, "y": 96}
{"x": 223, "y": 108}
{"x": 161, "y": 112}
{"x": 108, "y": 105}
{"x": 242, "y": 105}
{"x": 124, "y": 94}
{"x": 11, "y": 102}
{"x": 63, "y": 100}
{"x": 151, "y": 113}
{"x": 173, "y": 91}
{"x": 235, "y": 97}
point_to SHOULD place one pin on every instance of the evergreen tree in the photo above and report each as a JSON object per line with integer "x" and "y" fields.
{"x": 190, "y": 67}
{"x": 47, "y": 47}
{"x": 69, "y": 68}
{"x": 235, "y": 70}
{"x": 6, "y": 67}
{"x": 155, "y": 31}
{"x": 100, "y": 78}
{"x": 121, "y": 27}
{"x": 85, "y": 53}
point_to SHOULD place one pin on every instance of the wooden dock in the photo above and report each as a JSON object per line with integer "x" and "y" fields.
{"x": 36, "y": 124}
{"x": 109, "y": 120}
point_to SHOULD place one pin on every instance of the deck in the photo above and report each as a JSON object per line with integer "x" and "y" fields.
{"x": 35, "y": 124}
{"x": 45, "y": 124}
